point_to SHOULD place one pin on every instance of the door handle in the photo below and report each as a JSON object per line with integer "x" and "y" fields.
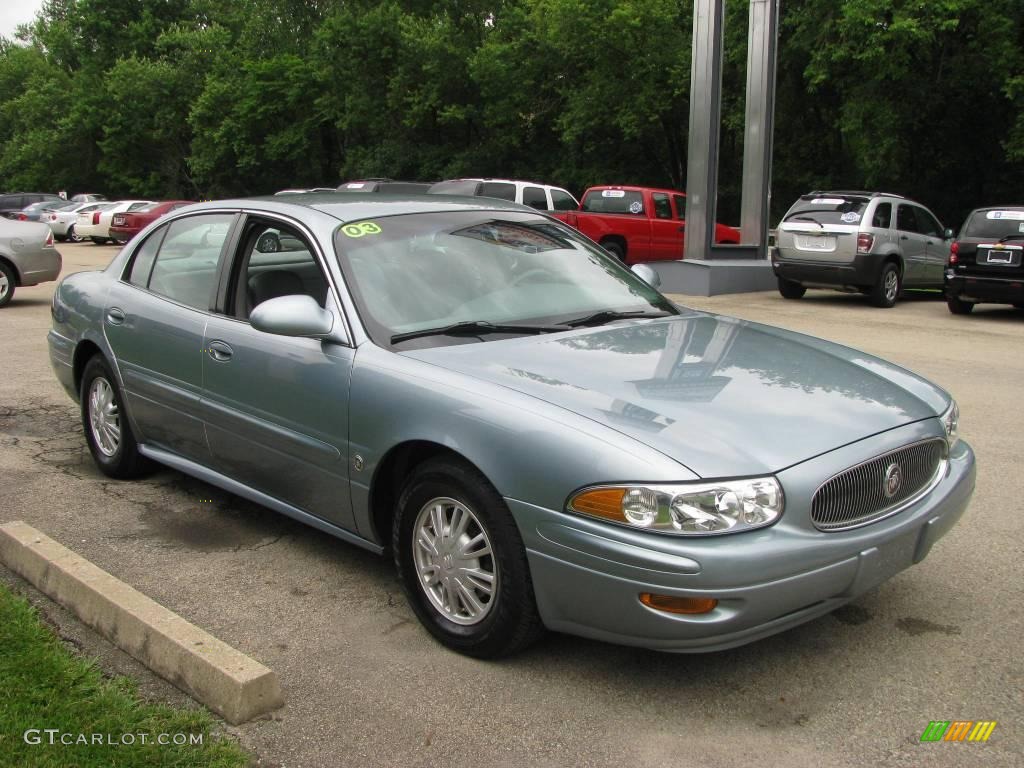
{"x": 115, "y": 316}
{"x": 219, "y": 351}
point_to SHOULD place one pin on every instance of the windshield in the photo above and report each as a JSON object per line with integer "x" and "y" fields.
{"x": 995, "y": 224}
{"x": 430, "y": 270}
{"x": 827, "y": 210}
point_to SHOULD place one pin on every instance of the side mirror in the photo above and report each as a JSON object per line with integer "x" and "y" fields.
{"x": 948, "y": 234}
{"x": 648, "y": 274}
{"x": 297, "y": 315}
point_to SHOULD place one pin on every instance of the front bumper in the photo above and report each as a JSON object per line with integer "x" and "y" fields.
{"x": 860, "y": 273}
{"x": 587, "y": 575}
{"x": 996, "y": 290}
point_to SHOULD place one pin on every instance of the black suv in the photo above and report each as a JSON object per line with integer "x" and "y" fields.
{"x": 985, "y": 260}
{"x": 13, "y": 202}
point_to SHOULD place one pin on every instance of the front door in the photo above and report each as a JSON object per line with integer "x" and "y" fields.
{"x": 935, "y": 244}
{"x": 155, "y": 319}
{"x": 912, "y": 245}
{"x": 666, "y": 237}
{"x": 276, "y": 407}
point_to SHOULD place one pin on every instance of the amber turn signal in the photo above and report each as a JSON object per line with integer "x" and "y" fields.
{"x": 601, "y": 502}
{"x": 670, "y": 604}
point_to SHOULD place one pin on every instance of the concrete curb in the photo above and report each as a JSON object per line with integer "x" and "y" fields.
{"x": 235, "y": 686}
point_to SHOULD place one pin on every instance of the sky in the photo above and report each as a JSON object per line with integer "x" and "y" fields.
{"x": 15, "y": 12}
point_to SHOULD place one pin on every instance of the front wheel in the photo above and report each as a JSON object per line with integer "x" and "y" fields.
{"x": 73, "y": 236}
{"x": 107, "y": 431}
{"x": 462, "y": 563}
{"x": 99, "y": 240}
{"x": 887, "y": 288}
{"x": 958, "y": 306}
{"x": 8, "y": 281}
{"x": 791, "y": 290}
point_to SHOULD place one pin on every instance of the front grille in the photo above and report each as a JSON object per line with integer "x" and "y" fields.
{"x": 858, "y": 495}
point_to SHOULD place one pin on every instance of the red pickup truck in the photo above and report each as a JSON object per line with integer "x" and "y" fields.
{"x": 637, "y": 223}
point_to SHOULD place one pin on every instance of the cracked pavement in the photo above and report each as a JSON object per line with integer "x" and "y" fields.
{"x": 366, "y": 686}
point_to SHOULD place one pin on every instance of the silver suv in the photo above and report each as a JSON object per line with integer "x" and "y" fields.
{"x": 872, "y": 242}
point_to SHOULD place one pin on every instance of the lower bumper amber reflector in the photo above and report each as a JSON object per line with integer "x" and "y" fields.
{"x": 669, "y": 604}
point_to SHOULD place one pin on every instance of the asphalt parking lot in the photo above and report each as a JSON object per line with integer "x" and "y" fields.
{"x": 365, "y": 685}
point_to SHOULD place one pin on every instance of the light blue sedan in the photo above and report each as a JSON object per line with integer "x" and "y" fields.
{"x": 538, "y": 436}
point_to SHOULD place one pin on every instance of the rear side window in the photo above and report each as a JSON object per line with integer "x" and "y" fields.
{"x": 535, "y": 198}
{"x": 996, "y": 224}
{"x": 883, "y": 216}
{"x": 662, "y": 206}
{"x": 828, "y": 209}
{"x": 142, "y": 263}
{"x": 563, "y": 201}
{"x": 906, "y": 221}
{"x": 614, "y": 201}
{"x": 498, "y": 189}
{"x": 186, "y": 265}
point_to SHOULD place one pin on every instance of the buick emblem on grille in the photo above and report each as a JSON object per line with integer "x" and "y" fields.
{"x": 893, "y": 480}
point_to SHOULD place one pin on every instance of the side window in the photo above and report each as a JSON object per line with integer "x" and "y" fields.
{"x": 186, "y": 264}
{"x": 142, "y": 262}
{"x": 562, "y": 200}
{"x": 498, "y": 189}
{"x": 926, "y": 223}
{"x": 680, "y": 202}
{"x": 274, "y": 260}
{"x": 535, "y": 198}
{"x": 882, "y": 217}
{"x": 662, "y": 206}
{"x": 906, "y": 221}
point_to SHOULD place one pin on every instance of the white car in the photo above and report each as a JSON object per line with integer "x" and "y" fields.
{"x": 62, "y": 220}
{"x": 95, "y": 225}
{"x": 543, "y": 197}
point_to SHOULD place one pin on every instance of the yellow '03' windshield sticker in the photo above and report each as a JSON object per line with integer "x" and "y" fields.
{"x": 364, "y": 228}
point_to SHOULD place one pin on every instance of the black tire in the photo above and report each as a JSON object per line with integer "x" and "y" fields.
{"x": 616, "y": 249}
{"x": 958, "y": 306}
{"x": 268, "y": 242}
{"x": 125, "y": 462}
{"x": 791, "y": 290}
{"x": 511, "y": 621}
{"x": 72, "y": 236}
{"x": 887, "y": 288}
{"x": 99, "y": 240}
{"x": 8, "y": 282}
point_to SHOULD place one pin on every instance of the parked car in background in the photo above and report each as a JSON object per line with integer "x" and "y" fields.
{"x": 986, "y": 261}
{"x": 876, "y": 243}
{"x": 88, "y": 197}
{"x": 27, "y": 256}
{"x": 13, "y": 202}
{"x": 124, "y": 226}
{"x": 385, "y": 186}
{"x": 542, "y": 197}
{"x": 34, "y": 212}
{"x": 62, "y": 219}
{"x": 95, "y": 225}
{"x": 637, "y": 224}
{"x": 534, "y": 433}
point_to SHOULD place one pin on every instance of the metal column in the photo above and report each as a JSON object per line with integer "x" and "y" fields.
{"x": 762, "y": 44}
{"x": 705, "y": 120}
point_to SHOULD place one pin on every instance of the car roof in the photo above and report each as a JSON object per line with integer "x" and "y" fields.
{"x": 352, "y": 206}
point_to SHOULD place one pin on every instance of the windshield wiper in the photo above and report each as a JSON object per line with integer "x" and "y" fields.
{"x": 806, "y": 218}
{"x": 606, "y": 315}
{"x": 474, "y": 327}
{"x": 1011, "y": 237}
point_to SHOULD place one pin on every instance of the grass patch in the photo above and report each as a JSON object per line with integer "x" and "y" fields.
{"x": 43, "y": 686}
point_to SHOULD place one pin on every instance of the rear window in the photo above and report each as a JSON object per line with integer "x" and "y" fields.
{"x": 613, "y": 201}
{"x": 148, "y": 207}
{"x": 995, "y": 224}
{"x": 828, "y": 209}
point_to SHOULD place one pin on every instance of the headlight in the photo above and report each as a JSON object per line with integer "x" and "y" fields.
{"x": 689, "y": 509}
{"x": 950, "y": 422}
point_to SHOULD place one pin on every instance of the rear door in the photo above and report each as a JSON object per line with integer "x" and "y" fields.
{"x": 913, "y": 245}
{"x": 276, "y": 407}
{"x": 154, "y": 320}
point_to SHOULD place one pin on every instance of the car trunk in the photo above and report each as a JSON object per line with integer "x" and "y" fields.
{"x": 822, "y": 227}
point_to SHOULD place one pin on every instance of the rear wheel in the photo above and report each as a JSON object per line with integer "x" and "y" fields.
{"x": 462, "y": 563}
{"x": 106, "y": 426}
{"x": 887, "y": 288}
{"x": 8, "y": 281}
{"x": 616, "y": 249}
{"x": 791, "y": 290}
{"x": 958, "y": 306}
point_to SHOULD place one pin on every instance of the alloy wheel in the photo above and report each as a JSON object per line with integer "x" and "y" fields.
{"x": 104, "y": 417}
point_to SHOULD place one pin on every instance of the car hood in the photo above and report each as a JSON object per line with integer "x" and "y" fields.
{"x": 723, "y": 397}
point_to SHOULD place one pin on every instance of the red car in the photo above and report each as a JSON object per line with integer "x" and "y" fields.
{"x": 637, "y": 224}
{"x": 125, "y": 226}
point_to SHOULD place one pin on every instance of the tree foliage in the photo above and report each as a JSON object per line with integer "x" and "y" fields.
{"x": 222, "y": 97}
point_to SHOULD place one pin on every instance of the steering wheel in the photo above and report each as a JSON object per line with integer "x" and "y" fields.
{"x": 529, "y": 273}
